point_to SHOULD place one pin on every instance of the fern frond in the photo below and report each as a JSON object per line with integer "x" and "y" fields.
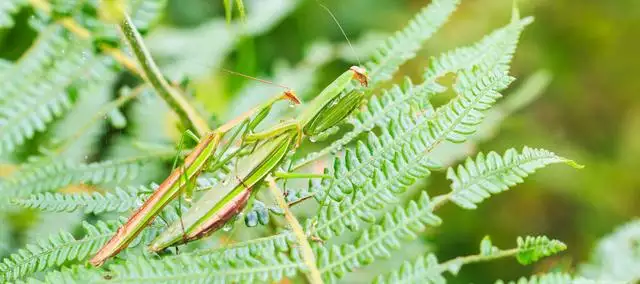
{"x": 96, "y": 202}
{"x": 71, "y": 275}
{"x": 195, "y": 270}
{"x": 63, "y": 248}
{"x": 490, "y": 47}
{"x": 369, "y": 177}
{"x": 7, "y": 8}
{"x": 404, "y": 44}
{"x": 477, "y": 180}
{"x": 531, "y": 249}
{"x": 617, "y": 256}
{"x": 376, "y": 242}
{"x": 48, "y": 174}
{"x": 452, "y": 122}
{"x": 550, "y": 278}
{"x": 35, "y": 91}
{"x": 422, "y": 270}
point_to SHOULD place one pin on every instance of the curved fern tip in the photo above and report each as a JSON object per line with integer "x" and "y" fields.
{"x": 573, "y": 164}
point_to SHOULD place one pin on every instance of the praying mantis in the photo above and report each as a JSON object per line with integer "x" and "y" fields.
{"x": 221, "y": 204}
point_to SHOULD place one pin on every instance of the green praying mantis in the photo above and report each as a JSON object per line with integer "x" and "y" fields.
{"x": 221, "y": 204}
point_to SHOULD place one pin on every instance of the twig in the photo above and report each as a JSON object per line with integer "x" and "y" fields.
{"x": 152, "y": 74}
{"x": 307, "y": 254}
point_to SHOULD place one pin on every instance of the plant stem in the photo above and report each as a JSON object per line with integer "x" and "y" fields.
{"x": 462, "y": 260}
{"x": 307, "y": 254}
{"x": 188, "y": 115}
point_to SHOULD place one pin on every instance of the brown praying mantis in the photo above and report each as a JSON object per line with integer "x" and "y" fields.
{"x": 221, "y": 204}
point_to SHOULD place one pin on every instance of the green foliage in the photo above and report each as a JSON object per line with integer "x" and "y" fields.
{"x": 96, "y": 202}
{"x": 405, "y": 43}
{"x": 7, "y": 8}
{"x": 46, "y": 174}
{"x": 400, "y": 155}
{"x": 368, "y": 208}
{"x": 385, "y": 62}
{"x": 61, "y": 249}
{"x": 422, "y": 270}
{"x": 551, "y": 278}
{"x": 491, "y": 174}
{"x": 350, "y": 196}
{"x": 402, "y": 225}
{"x": 531, "y": 249}
{"x": 35, "y": 92}
{"x": 617, "y": 256}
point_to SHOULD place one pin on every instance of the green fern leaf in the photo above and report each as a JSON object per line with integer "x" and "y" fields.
{"x": 35, "y": 90}
{"x": 47, "y": 174}
{"x": 376, "y": 242}
{"x": 96, "y": 202}
{"x": 452, "y": 122}
{"x": 71, "y": 275}
{"x": 422, "y": 270}
{"x": 62, "y": 248}
{"x": 617, "y": 256}
{"x": 477, "y": 180}
{"x": 195, "y": 270}
{"x": 490, "y": 47}
{"x": 550, "y": 278}
{"x": 405, "y": 43}
{"x": 7, "y": 8}
{"x": 352, "y": 196}
{"x": 531, "y": 249}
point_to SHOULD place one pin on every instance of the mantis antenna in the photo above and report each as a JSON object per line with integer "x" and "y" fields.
{"x": 341, "y": 30}
{"x": 288, "y": 92}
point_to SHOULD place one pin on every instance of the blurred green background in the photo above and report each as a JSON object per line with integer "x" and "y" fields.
{"x": 590, "y": 111}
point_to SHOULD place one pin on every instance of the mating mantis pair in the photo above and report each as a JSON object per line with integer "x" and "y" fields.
{"x": 221, "y": 204}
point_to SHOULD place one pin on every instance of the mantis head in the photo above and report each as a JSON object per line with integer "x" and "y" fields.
{"x": 291, "y": 96}
{"x": 360, "y": 74}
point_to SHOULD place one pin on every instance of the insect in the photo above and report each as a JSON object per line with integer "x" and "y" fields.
{"x": 219, "y": 205}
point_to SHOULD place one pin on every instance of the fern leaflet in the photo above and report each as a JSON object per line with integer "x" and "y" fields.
{"x": 405, "y": 43}
{"x": 377, "y": 241}
{"x": 422, "y": 270}
{"x": 531, "y": 249}
{"x": 47, "y": 174}
{"x": 550, "y": 278}
{"x": 491, "y": 174}
{"x": 96, "y": 202}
